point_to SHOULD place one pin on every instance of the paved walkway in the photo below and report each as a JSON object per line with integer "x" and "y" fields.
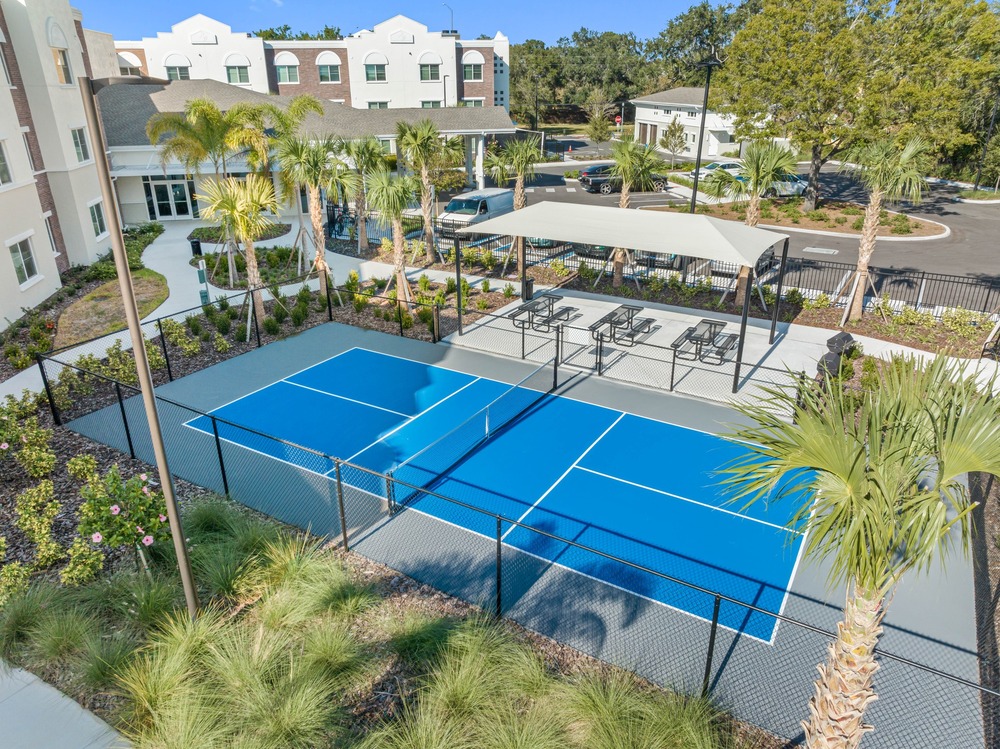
{"x": 34, "y": 715}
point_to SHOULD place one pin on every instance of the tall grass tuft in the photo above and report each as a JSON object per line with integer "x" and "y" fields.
{"x": 332, "y": 652}
{"x": 20, "y": 616}
{"x": 104, "y": 658}
{"x": 59, "y": 634}
{"x": 419, "y": 639}
{"x": 540, "y": 727}
{"x": 420, "y": 729}
{"x": 219, "y": 566}
{"x": 208, "y": 518}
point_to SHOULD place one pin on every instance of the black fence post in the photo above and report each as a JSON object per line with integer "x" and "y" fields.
{"x": 340, "y": 506}
{"x": 458, "y": 282}
{"x": 523, "y": 354}
{"x": 711, "y": 646}
{"x": 163, "y": 345}
{"x": 218, "y": 450}
{"x": 600, "y": 354}
{"x": 499, "y": 611}
{"x": 48, "y": 392}
{"x": 555, "y": 362}
{"x": 436, "y": 323}
{"x": 390, "y": 500}
{"x": 399, "y": 317}
{"x": 121, "y": 407}
{"x": 329, "y": 302}
{"x": 673, "y": 368}
{"x": 253, "y": 314}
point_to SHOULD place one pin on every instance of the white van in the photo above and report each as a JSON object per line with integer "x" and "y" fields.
{"x": 474, "y": 208}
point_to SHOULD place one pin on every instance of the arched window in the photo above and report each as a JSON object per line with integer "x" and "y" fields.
{"x": 129, "y": 64}
{"x": 60, "y": 51}
{"x": 286, "y": 67}
{"x": 472, "y": 66}
{"x": 237, "y": 68}
{"x": 328, "y": 64}
{"x": 430, "y": 66}
{"x": 375, "y": 65}
{"x": 178, "y": 67}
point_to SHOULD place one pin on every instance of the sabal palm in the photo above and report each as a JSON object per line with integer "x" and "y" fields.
{"x": 764, "y": 163}
{"x": 515, "y": 160}
{"x": 280, "y": 123}
{"x": 239, "y": 206}
{"x": 367, "y": 156}
{"x": 314, "y": 163}
{"x": 421, "y": 146}
{"x": 390, "y": 196}
{"x": 634, "y": 165}
{"x": 880, "y": 494}
{"x": 202, "y": 132}
{"x": 889, "y": 173}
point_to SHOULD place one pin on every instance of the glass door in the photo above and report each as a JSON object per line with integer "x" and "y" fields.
{"x": 171, "y": 200}
{"x": 182, "y": 208}
{"x": 164, "y": 206}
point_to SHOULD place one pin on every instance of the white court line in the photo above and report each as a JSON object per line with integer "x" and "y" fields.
{"x": 412, "y": 419}
{"x": 345, "y": 398}
{"x": 692, "y": 501}
{"x": 575, "y": 571}
{"x": 795, "y": 569}
{"x": 565, "y": 473}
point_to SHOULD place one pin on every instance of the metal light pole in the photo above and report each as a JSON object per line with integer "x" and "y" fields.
{"x": 89, "y": 96}
{"x": 986, "y": 145}
{"x": 708, "y": 65}
{"x": 451, "y": 24}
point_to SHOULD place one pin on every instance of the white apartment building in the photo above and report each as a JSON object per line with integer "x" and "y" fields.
{"x": 654, "y": 112}
{"x": 51, "y": 213}
{"x": 397, "y": 64}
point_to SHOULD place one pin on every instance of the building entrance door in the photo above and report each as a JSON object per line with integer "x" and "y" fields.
{"x": 171, "y": 200}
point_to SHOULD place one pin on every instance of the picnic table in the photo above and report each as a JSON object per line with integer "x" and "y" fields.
{"x": 621, "y": 325}
{"x": 705, "y": 341}
{"x": 540, "y": 313}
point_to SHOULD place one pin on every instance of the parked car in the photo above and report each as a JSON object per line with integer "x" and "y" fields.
{"x": 474, "y": 208}
{"x": 733, "y": 167}
{"x": 606, "y": 183}
{"x": 789, "y": 186}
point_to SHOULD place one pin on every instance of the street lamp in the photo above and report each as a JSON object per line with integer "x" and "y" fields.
{"x": 707, "y": 64}
{"x": 451, "y": 24}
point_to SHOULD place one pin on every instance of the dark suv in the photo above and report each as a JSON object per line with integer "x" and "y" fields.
{"x": 599, "y": 179}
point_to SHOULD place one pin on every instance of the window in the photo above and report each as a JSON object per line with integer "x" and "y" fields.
{"x": 129, "y": 70}
{"x": 6, "y": 71}
{"x": 378, "y": 105}
{"x": 63, "y": 72}
{"x": 430, "y": 105}
{"x": 97, "y": 219}
{"x": 386, "y": 144}
{"x": 5, "y": 175}
{"x": 52, "y": 236}
{"x": 178, "y": 73}
{"x": 27, "y": 147}
{"x": 287, "y": 73}
{"x": 472, "y": 102}
{"x": 24, "y": 261}
{"x": 375, "y": 73}
{"x": 430, "y": 72}
{"x": 237, "y": 74}
{"x": 472, "y": 72}
{"x": 329, "y": 74}
{"x": 80, "y": 144}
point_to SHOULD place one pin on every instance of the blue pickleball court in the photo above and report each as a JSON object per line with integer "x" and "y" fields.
{"x": 638, "y": 489}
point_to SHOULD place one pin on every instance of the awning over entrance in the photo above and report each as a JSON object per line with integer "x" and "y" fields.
{"x": 659, "y": 232}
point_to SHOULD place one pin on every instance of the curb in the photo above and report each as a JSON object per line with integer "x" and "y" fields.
{"x": 977, "y": 202}
{"x": 844, "y": 235}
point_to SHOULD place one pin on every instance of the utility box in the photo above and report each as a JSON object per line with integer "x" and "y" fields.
{"x": 527, "y": 289}
{"x": 195, "y": 248}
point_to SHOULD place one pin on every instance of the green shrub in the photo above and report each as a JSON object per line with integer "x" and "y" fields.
{"x": 508, "y": 291}
{"x": 193, "y": 324}
{"x": 424, "y": 283}
{"x": 220, "y": 344}
{"x": 489, "y": 260}
{"x": 271, "y": 326}
{"x": 817, "y": 215}
{"x": 482, "y": 304}
{"x": 360, "y": 302}
{"x": 794, "y": 298}
{"x": 858, "y": 224}
{"x": 572, "y": 174}
{"x": 240, "y": 332}
{"x": 852, "y": 210}
{"x": 223, "y": 324}
{"x": 450, "y": 286}
{"x": 84, "y": 563}
{"x": 485, "y": 286}
{"x": 840, "y": 220}
{"x": 299, "y": 315}
{"x": 279, "y": 312}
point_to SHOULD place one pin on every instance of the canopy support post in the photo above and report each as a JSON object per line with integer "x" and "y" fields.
{"x": 743, "y": 334}
{"x": 777, "y": 296}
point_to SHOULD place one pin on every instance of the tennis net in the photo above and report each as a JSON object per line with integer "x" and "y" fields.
{"x": 438, "y": 458}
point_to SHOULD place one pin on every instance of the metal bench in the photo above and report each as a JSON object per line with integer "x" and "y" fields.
{"x": 627, "y": 336}
{"x": 717, "y": 351}
{"x": 684, "y": 347}
{"x": 559, "y": 314}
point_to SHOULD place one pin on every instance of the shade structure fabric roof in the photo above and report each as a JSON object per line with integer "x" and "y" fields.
{"x": 659, "y": 232}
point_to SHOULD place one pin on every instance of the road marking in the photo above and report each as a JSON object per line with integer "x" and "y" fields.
{"x": 550, "y": 189}
{"x": 570, "y": 189}
{"x": 529, "y": 189}
{"x": 820, "y": 250}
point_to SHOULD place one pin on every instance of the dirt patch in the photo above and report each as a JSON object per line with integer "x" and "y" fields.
{"x": 832, "y": 215}
{"x": 102, "y": 311}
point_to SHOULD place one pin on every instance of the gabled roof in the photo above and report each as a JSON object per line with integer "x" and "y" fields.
{"x": 689, "y": 96}
{"x": 660, "y": 232}
{"x": 126, "y": 108}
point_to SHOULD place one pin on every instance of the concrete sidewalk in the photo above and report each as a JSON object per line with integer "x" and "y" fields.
{"x": 34, "y": 715}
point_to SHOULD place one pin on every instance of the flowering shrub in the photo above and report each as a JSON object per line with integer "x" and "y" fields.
{"x": 36, "y": 509}
{"x": 84, "y": 563}
{"x": 22, "y": 438}
{"x": 118, "y": 512}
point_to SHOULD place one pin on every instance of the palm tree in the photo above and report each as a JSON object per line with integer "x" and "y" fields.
{"x": 515, "y": 160}
{"x": 201, "y": 133}
{"x": 367, "y": 156}
{"x": 390, "y": 196}
{"x": 239, "y": 208}
{"x": 421, "y": 147}
{"x": 314, "y": 163}
{"x": 635, "y": 165}
{"x": 764, "y": 163}
{"x": 889, "y": 173}
{"x": 880, "y": 494}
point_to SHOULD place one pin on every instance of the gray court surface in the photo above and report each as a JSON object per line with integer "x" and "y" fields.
{"x": 931, "y": 620}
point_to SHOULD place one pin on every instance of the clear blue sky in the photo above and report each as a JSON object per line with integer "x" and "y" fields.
{"x": 518, "y": 19}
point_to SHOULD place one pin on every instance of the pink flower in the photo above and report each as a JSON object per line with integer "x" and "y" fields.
{"x": 24, "y": 438}
{"x": 147, "y": 540}
{"x": 145, "y": 490}
{"x": 142, "y": 476}
{"x": 97, "y": 538}
{"x": 139, "y": 530}
{"x": 4, "y": 445}
{"x": 163, "y": 518}
{"x": 115, "y": 509}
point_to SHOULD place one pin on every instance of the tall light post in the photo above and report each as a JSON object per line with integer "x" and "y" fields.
{"x": 707, "y": 64}
{"x": 89, "y": 95}
{"x": 451, "y": 23}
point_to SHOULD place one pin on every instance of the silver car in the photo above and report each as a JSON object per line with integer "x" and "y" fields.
{"x": 733, "y": 167}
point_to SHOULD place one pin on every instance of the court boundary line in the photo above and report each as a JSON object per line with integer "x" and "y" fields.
{"x": 795, "y": 570}
{"x": 211, "y": 435}
{"x": 575, "y": 571}
{"x": 574, "y": 464}
{"x": 411, "y": 419}
{"x": 343, "y": 397}
{"x": 691, "y": 501}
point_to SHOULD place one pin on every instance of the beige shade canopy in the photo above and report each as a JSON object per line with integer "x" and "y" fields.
{"x": 659, "y": 232}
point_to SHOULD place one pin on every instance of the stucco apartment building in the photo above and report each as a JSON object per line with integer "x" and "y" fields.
{"x": 397, "y": 64}
{"x": 654, "y": 112}
{"x": 51, "y": 215}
